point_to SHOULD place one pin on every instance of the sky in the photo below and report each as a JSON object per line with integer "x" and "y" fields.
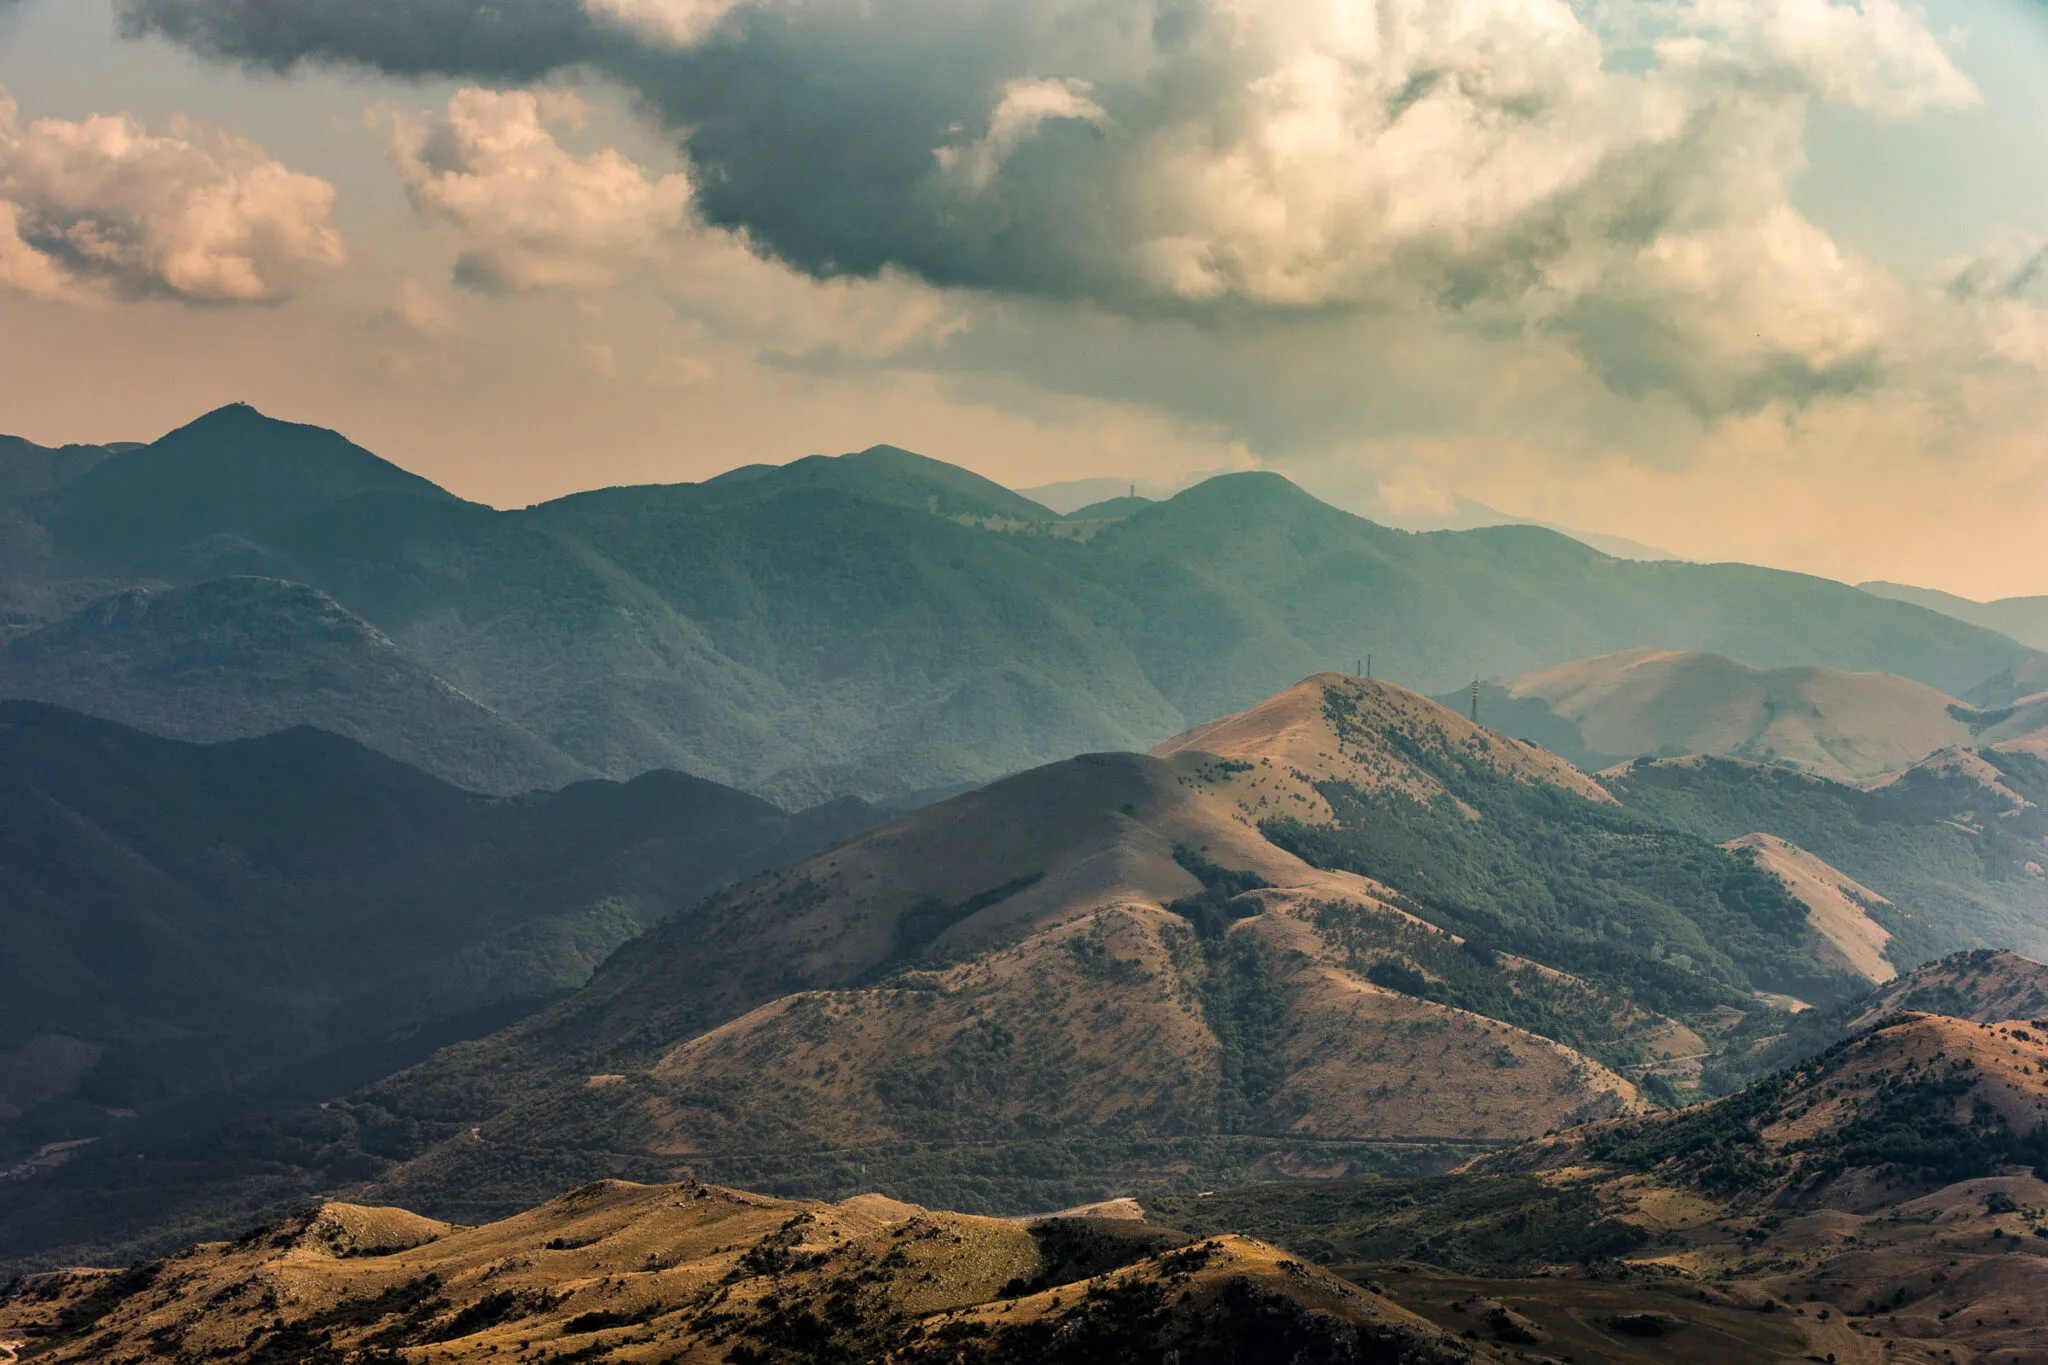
{"x": 1745, "y": 279}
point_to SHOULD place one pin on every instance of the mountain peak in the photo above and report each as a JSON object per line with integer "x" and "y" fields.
{"x": 884, "y": 474}
{"x": 234, "y": 472}
{"x": 1334, "y": 726}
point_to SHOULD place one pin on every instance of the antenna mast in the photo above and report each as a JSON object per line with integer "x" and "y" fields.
{"x": 1475, "y": 701}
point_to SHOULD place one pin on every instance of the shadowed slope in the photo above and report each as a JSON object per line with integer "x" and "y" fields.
{"x": 182, "y": 918}
{"x": 241, "y": 657}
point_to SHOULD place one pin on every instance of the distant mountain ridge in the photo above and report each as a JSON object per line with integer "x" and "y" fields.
{"x": 2023, "y": 618}
{"x": 883, "y": 624}
{"x": 28, "y": 470}
{"x": 2025, "y": 679}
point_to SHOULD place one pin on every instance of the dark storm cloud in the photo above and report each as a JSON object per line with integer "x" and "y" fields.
{"x": 488, "y": 39}
{"x": 1202, "y": 158}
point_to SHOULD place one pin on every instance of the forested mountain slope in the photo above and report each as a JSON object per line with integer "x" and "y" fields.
{"x": 234, "y": 658}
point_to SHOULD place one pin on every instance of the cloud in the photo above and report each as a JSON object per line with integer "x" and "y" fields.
{"x": 531, "y": 214}
{"x": 1024, "y": 108}
{"x": 1999, "y": 302}
{"x": 499, "y": 39}
{"x": 104, "y": 208}
{"x": 676, "y": 23}
{"x": 1616, "y": 176}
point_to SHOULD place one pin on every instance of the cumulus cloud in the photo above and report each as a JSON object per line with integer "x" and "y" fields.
{"x": 678, "y": 23}
{"x": 104, "y": 208}
{"x": 531, "y": 213}
{"x": 1024, "y": 107}
{"x": 1489, "y": 162}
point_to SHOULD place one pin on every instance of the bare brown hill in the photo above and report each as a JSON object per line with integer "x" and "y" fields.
{"x": 1883, "y": 1201}
{"x": 1845, "y": 726}
{"x": 1375, "y": 748}
{"x": 1911, "y": 1104}
{"x": 1020, "y": 963}
{"x": 1113, "y": 949}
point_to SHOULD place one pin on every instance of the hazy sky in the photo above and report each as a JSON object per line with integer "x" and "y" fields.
{"x": 1749, "y": 279}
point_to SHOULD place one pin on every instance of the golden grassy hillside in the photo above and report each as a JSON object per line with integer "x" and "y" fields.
{"x": 1008, "y": 966}
{"x": 1846, "y": 726}
{"x": 1838, "y": 907}
{"x": 1103, "y": 976}
{"x": 1879, "y": 1203}
{"x": 694, "y": 1273}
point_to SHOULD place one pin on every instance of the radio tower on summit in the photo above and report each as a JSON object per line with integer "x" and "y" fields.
{"x": 1475, "y": 701}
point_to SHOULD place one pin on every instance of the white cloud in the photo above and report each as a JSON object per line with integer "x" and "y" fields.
{"x": 104, "y": 208}
{"x": 1598, "y": 170}
{"x": 1999, "y": 300}
{"x": 531, "y": 213}
{"x": 1874, "y": 55}
{"x": 1025, "y": 106}
{"x": 676, "y": 22}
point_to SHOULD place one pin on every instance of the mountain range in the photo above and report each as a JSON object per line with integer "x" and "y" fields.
{"x": 878, "y": 624}
{"x": 366, "y": 850}
{"x": 235, "y": 658}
